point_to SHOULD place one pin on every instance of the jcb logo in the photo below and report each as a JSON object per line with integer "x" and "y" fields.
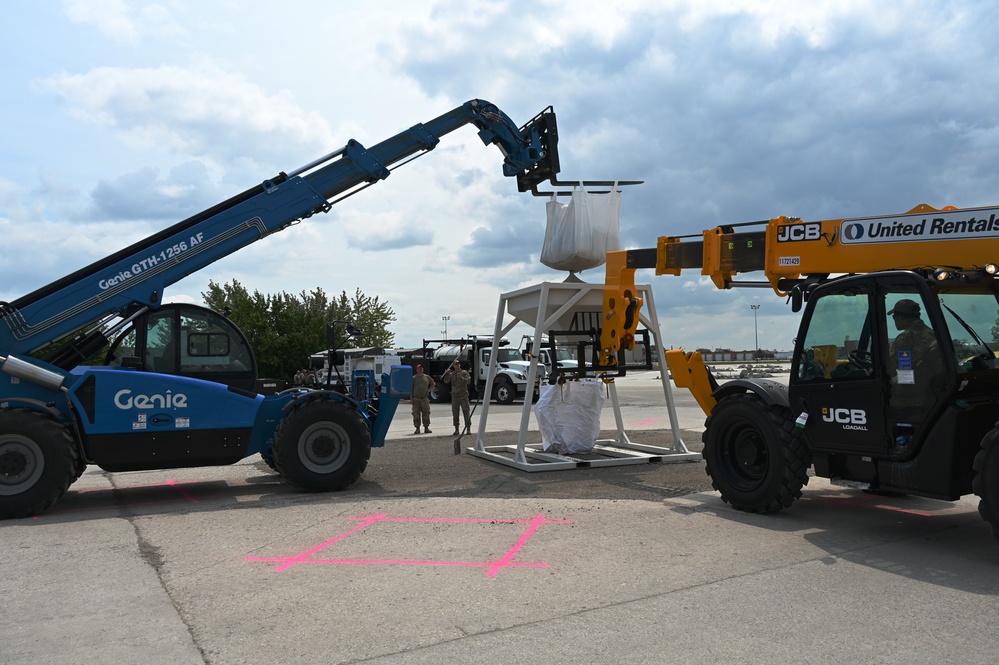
{"x": 794, "y": 232}
{"x": 845, "y": 416}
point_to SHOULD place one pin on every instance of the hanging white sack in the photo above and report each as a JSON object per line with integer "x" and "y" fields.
{"x": 579, "y": 234}
{"x": 546, "y": 413}
{"x": 569, "y": 416}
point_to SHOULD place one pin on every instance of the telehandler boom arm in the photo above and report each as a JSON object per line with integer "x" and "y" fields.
{"x": 791, "y": 252}
{"x": 132, "y": 280}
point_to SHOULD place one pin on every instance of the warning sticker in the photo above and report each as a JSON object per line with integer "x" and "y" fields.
{"x": 905, "y": 371}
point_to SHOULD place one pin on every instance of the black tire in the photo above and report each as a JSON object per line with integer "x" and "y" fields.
{"x": 754, "y": 454}
{"x": 440, "y": 393}
{"x": 38, "y": 462}
{"x": 504, "y": 392}
{"x": 269, "y": 460}
{"x": 322, "y": 446}
{"x": 986, "y": 482}
{"x": 81, "y": 466}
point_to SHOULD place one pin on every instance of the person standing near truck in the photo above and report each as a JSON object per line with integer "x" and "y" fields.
{"x": 420, "y": 397}
{"x": 459, "y": 380}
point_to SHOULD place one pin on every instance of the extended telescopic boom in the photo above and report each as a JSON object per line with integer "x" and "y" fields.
{"x": 133, "y": 280}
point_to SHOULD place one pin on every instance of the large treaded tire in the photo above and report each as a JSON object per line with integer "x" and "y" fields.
{"x": 322, "y": 446}
{"x": 986, "y": 481}
{"x": 754, "y": 454}
{"x": 38, "y": 462}
{"x": 504, "y": 392}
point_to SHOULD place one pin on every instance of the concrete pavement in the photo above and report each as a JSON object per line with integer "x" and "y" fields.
{"x": 439, "y": 558}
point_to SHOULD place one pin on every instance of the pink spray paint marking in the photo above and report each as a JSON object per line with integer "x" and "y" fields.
{"x": 492, "y": 567}
{"x": 645, "y": 423}
{"x": 175, "y": 484}
{"x": 868, "y": 499}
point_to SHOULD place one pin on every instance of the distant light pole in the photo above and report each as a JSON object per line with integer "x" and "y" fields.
{"x": 445, "y": 319}
{"x": 757, "y": 331}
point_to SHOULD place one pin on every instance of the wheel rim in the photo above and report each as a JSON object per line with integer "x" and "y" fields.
{"x": 324, "y": 447}
{"x": 745, "y": 457}
{"x": 502, "y": 393}
{"x": 21, "y": 464}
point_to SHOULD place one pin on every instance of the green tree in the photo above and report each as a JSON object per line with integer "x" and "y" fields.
{"x": 284, "y": 329}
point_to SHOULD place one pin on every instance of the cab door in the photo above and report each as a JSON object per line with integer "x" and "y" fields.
{"x": 919, "y": 360}
{"x": 834, "y": 375}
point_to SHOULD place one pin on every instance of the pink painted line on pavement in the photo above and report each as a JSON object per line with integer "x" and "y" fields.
{"x": 446, "y": 520}
{"x": 106, "y": 506}
{"x": 367, "y": 521}
{"x": 645, "y": 423}
{"x": 133, "y": 487}
{"x": 405, "y": 562}
{"x": 169, "y": 483}
{"x": 921, "y": 513}
{"x": 869, "y": 499}
{"x": 535, "y": 523}
{"x": 493, "y": 566}
{"x": 174, "y": 483}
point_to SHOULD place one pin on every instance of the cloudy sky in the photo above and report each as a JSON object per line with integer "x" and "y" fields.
{"x": 120, "y": 118}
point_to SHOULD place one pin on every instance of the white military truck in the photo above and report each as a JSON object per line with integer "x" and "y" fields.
{"x": 474, "y": 353}
{"x": 375, "y": 359}
{"x": 564, "y": 360}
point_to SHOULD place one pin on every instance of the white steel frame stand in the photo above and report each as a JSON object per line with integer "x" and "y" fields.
{"x": 606, "y": 452}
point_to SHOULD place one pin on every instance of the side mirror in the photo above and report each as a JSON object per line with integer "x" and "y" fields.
{"x": 796, "y": 299}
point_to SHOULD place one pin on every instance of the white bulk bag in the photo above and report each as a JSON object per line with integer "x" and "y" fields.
{"x": 580, "y": 233}
{"x": 569, "y": 415}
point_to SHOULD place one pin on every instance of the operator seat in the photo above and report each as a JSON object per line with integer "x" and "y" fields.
{"x": 166, "y": 362}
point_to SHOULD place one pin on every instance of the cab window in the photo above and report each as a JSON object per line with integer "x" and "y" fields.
{"x": 972, "y": 320}
{"x": 209, "y": 344}
{"x": 837, "y": 345}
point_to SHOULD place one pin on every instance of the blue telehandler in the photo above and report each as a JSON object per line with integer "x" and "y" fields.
{"x": 177, "y": 387}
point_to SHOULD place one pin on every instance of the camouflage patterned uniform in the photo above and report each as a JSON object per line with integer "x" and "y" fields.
{"x": 459, "y": 381}
{"x": 420, "y": 397}
{"x": 919, "y": 343}
{"x": 915, "y": 350}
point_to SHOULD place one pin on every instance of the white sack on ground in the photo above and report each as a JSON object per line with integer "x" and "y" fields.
{"x": 569, "y": 416}
{"x": 580, "y": 233}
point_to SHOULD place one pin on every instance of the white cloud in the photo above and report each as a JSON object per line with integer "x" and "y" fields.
{"x": 41, "y": 249}
{"x": 129, "y": 22}
{"x": 202, "y": 111}
{"x": 111, "y": 17}
{"x": 729, "y": 110}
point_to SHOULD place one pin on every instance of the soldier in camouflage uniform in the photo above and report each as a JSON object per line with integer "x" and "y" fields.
{"x": 915, "y": 356}
{"x": 459, "y": 380}
{"x": 915, "y": 339}
{"x": 420, "y": 397}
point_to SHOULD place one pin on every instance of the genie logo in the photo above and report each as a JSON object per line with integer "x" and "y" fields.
{"x": 124, "y": 399}
{"x": 853, "y": 232}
